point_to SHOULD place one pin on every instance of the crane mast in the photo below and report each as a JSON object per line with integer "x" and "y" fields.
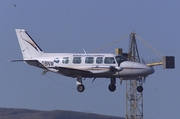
{"x": 134, "y": 87}
{"x": 134, "y": 99}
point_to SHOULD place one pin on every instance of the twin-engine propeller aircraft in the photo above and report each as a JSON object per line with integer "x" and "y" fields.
{"x": 81, "y": 66}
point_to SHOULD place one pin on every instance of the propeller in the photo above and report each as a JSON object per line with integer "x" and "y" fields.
{"x": 115, "y": 69}
{"x": 112, "y": 69}
{"x": 142, "y": 59}
{"x": 144, "y": 78}
{"x": 119, "y": 68}
{"x": 119, "y": 64}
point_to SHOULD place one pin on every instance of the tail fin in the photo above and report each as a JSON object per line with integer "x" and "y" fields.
{"x": 28, "y": 47}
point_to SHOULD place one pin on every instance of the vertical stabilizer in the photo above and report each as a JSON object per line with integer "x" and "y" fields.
{"x": 28, "y": 46}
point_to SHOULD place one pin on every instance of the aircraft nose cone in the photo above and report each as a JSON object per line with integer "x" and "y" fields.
{"x": 149, "y": 70}
{"x": 143, "y": 69}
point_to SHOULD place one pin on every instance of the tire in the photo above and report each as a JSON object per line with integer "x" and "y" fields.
{"x": 112, "y": 87}
{"x": 80, "y": 88}
{"x": 140, "y": 89}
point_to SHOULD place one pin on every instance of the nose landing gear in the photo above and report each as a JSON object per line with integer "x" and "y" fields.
{"x": 140, "y": 89}
{"x": 112, "y": 86}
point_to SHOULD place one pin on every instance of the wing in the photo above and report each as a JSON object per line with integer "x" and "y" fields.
{"x": 87, "y": 72}
{"x": 72, "y": 72}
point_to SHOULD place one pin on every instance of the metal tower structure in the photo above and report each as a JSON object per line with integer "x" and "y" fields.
{"x": 134, "y": 99}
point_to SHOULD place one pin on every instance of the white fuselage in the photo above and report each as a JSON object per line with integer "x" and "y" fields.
{"x": 98, "y": 64}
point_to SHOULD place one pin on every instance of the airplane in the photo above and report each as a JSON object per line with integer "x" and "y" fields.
{"x": 81, "y": 65}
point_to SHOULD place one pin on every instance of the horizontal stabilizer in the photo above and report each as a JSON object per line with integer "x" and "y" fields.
{"x": 35, "y": 63}
{"x": 16, "y": 60}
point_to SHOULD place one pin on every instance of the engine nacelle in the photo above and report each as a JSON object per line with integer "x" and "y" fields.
{"x": 115, "y": 69}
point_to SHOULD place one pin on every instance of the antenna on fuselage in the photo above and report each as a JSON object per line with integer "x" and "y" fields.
{"x": 84, "y": 50}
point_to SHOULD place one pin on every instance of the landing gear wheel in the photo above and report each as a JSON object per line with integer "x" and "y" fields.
{"x": 80, "y": 88}
{"x": 139, "y": 89}
{"x": 112, "y": 87}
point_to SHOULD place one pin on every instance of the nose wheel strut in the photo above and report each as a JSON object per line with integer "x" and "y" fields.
{"x": 140, "y": 87}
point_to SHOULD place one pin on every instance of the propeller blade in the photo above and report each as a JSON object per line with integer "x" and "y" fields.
{"x": 144, "y": 79}
{"x": 119, "y": 64}
{"x": 142, "y": 59}
{"x": 119, "y": 69}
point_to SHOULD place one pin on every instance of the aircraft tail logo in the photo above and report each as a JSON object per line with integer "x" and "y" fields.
{"x": 28, "y": 46}
{"x": 32, "y": 44}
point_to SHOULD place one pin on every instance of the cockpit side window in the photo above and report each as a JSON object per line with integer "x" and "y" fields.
{"x": 109, "y": 60}
{"x": 89, "y": 60}
{"x": 120, "y": 59}
{"x": 99, "y": 60}
{"x": 65, "y": 60}
{"x": 77, "y": 60}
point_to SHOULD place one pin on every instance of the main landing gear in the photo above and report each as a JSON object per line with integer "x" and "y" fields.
{"x": 112, "y": 86}
{"x": 80, "y": 87}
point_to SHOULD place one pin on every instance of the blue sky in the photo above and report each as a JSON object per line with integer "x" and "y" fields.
{"x": 68, "y": 26}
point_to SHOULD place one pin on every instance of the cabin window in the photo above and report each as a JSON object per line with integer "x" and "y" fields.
{"x": 109, "y": 60}
{"x": 89, "y": 60}
{"x": 77, "y": 60}
{"x": 99, "y": 60}
{"x": 65, "y": 60}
